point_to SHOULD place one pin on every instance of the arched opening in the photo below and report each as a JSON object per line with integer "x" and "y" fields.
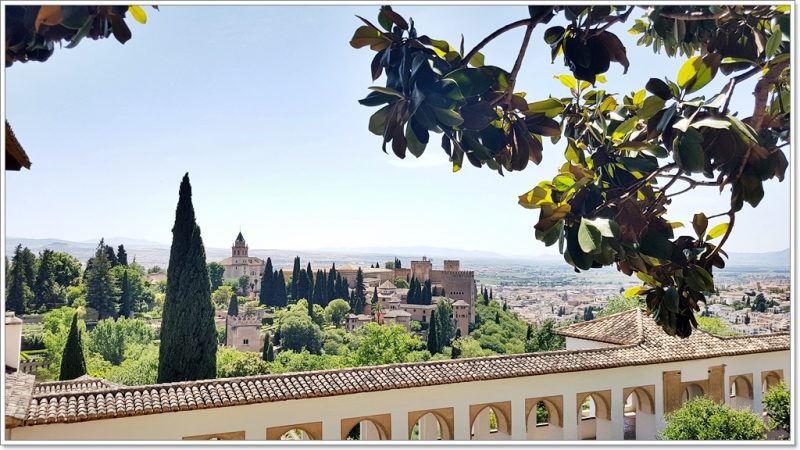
{"x": 691, "y": 391}
{"x": 366, "y": 430}
{"x": 430, "y": 427}
{"x": 771, "y": 379}
{"x": 295, "y": 434}
{"x": 741, "y": 396}
{"x": 639, "y": 417}
{"x": 544, "y": 422}
{"x": 594, "y": 421}
{"x": 490, "y": 424}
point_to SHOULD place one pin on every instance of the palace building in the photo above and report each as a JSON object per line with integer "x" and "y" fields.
{"x": 241, "y": 263}
{"x": 616, "y": 380}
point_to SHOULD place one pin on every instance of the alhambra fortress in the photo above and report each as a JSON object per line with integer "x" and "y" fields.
{"x": 616, "y": 380}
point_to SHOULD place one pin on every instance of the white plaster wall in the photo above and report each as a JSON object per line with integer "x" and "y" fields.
{"x": 254, "y": 419}
{"x": 579, "y": 344}
{"x": 13, "y": 344}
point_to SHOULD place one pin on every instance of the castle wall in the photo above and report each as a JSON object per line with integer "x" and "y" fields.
{"x": 244, "y": 334}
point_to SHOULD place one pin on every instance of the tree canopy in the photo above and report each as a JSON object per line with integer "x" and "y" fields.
{"x": 703, "y": 419}
{"x": 607, "y": 204}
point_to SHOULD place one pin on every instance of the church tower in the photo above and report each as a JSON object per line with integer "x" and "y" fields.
{"x": 239, "y": 250}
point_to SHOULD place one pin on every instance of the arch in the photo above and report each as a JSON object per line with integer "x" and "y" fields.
{"x": 692, "y": 390}
{"x": 594, "y": 415}
{"x": 369, "y": 428}
{"x": 300, "y": 431}
{"x": 741, "y": 391}
{"x": 770, "y": 378}
{"x": 552, "y": 429}
{"x": 639, "y": 413}
{"x": 490, "y": 421}
{"x": 431, "y": 424}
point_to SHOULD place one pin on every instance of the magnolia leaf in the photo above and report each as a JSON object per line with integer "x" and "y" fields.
{"x": 634, "y": 291}
{"x": 138, "y": 13}
{"x": 624, "y": 128}
{"x": 567, "y": 80}
{"x": 589, "y": 237}
{"x": 712, "y": 122}
{"x": 700, "y": 224}
{"x": 49, "y": 15}
{"x": 717, "y": 231}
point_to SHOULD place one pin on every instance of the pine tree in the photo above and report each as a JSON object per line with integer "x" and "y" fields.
{"x": 375, "y": 300}
{"x": 269, "y": 352}
{"x": 303, "y": 286}
{"x": 73, "y": 365}
{"x": 295, "y": 277}
{"x": 267, "y": 282}
{"x": 19, "y": 294}
{"x": 100, "y": 291}
{"x": 46, "y": 292}
{"x": 233, "y": 306}
{"x": 111, "y": 255}
{"x": 505, "y": 306}
{"x": 276, "y": 339}
{"x": 125, "y": 300}
{"x": 122, "y": 255}
{"x": 188, "y": 349}
{"x": 330, "y": 290}
{"x": 529, "y": 333}
{"x": 433, "y": 335}
{"x": 345, "y": 290}
{"x": 281, "y": 299}
{"x": 28, "y": 260}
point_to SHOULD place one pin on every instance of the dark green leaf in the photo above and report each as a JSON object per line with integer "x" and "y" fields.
{"x": 689, "y": 154}
{"x": 659, "y": 88}
{"x": 471, "y": 81}
{"x": 699, "y": 223}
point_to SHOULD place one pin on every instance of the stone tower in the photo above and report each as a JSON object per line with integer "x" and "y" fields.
{"x": 239, "y": 250}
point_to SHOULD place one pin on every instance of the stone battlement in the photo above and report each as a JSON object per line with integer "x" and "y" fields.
{"x": 459, "y": 273}
{"x": 244, "y": 321}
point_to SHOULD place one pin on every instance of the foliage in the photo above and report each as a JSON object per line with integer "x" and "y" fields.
{"x": 544, "y": 339}
{"x": 32, "y": 31}
{"x": 470, "y": 348}
{"x": 139, "y": 367}
{"x": 401, "y": 283}
{"x": 605, "y": 205}
{"x": 47, "y": 293}
{"x": 618, "y": 303}
{"x": 73, "y": 364}
{"x": 498, "y": 330}
{"x": 216, "y": 271}
{"x": 433, "y": 345}
{"x": 359, "y": 300}
{"x": 188, "y": 335}
{"x": 336, "y": 311}
{"x": 703, "y": 419}
{"x": 444, "y": 328}
{"x": 222, "y": 297}
{"x": 383, "y": 344}
{"x": 304, "y": 361}
{"x": 125, "y": 300}
{"x": 298, "y": 331}
{"x": 338, "y": 341}
{"x": 233, "y": 306}
{"x": 778, "y": 405}
{"x": 55, "y": 326}
{"x": 66, "y": 268}
{"x": 101, "y": 292}
{"x": 19, "y": 293}
{"x": 234, "y": 363}
{"x": 715, "y": 326}
{"x": 110, "y": 338}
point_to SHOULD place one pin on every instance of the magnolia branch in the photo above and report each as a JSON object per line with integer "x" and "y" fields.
{"x": 725, "y": 237}
{"x": 696, "y": 15}
{"x": 620, "y": 18}
{"x": 512, "y": 79}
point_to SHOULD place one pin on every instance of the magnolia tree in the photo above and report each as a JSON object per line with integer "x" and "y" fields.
{"x": 626, "y": 156}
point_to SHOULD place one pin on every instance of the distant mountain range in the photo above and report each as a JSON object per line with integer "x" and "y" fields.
{"x": 150, "y": 253}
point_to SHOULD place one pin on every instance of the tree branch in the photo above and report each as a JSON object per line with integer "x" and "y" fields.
{"x": 761, "y": 93}
{"x": 697, "y": 15}
{"x": 727, "y": 234}
{"x": 512, "y": 80}
{"x": 620, "y": 18}
{"x": 496, "y": 33}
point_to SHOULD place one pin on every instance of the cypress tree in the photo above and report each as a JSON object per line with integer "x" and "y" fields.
{"x": 18, "y": 291}
{"x": 188, "y": 348}
{"x": 330, "y": 291}
{"x": 72, "y": 363}
{"x": 276, "y": 339}
{"x": 337, "y": 287}
{"x": 319, "y": 288}
{"x": 280, "y": 292}
{"x": 269, "y": 352}
{"x": 427, "y": 296}
{"x": 375, "y": 296}
{"x": 360, "y": 294}
{"x": 433, "y": 335}
{"x": 122, "y": 255}
{"x": 233, "y": 306}
{"x": 497, "y": 317}
{"x": 491, "y": 294}
{"x": 303, "y": 286}
{"x": 529, "y": 333}
{"x": 310, "y": 277}
{"x": 100, "y": 292}
{"x": 267, "y": 281}
{"x": 125, "y": 300}
{"x": 295, "y": 277}
{"x": 345, "y": 290}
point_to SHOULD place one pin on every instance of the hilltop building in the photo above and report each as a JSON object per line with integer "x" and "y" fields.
{"x": 241, "y": 263}
{"x": 617, "y": 379}
{"x": 244, "y": 332}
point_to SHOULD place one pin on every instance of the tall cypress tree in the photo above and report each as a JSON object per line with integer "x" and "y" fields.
{"x": 310, "y": 275}
{"x": 295, "y": 277}
{"x": 100, "y": 291}
{"x": 125, "y": 300}
{"x": 345, "y": 290}
{"x": 268, "y": 353}
{"x": 319, "y": 288}
{"x": 303, "y": 286}
{"x": 281, "y": 299}
{"x": 330, "y": 291}
{"x": 427, "y": 295}
{"x": 374, "y": 297}
{"x": 233, "y": 306}
{"x": 111, "y": 255}
{"x": 18, "y": 291}
{"x": 337, "y": 286}
{"x": 188, "y": 348}
{"x": 360, "y": 294}
{"x": 73, "y": 364}
{"x": 433, "y": 335}
{"x": 267, "y": 281}
{"x": 122, "y": 255}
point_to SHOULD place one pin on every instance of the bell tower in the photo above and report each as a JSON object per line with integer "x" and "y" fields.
{"x": 239, "y": 250}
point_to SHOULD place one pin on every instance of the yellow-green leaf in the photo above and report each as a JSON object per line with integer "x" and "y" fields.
{"x": 636, "y": 290}
{"x": 624, "y": 128}
{"x": 647, "y": 278}
{"x": 717, "y": 231}
{"x": 567, "y": 80}
{"x": 138, "y": 13}
{"x": 675, "y": 225}
{"x": 638, "y": 98}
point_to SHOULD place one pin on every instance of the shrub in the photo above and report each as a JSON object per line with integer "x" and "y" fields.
{"x": 777, "y": 404}
{"x": 703, "y": 419}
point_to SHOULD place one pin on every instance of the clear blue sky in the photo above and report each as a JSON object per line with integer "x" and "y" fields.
{"x": 259, "y": 105}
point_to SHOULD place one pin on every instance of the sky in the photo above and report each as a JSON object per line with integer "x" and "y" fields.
{"x": 259, "y": 105}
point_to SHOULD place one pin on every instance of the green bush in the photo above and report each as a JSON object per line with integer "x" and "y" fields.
{"x": 777, "y": 404}
{"x": 703, "y": 419}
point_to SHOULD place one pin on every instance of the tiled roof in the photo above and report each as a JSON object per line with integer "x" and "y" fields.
{"x": 613, "y": 329}
{"x": 18, "y": 395}
{"x": 81, "y": 384}
{"x": 387, "y": 285}
{"x": 16, "y": 158}
{"x": 652, "y": 346}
